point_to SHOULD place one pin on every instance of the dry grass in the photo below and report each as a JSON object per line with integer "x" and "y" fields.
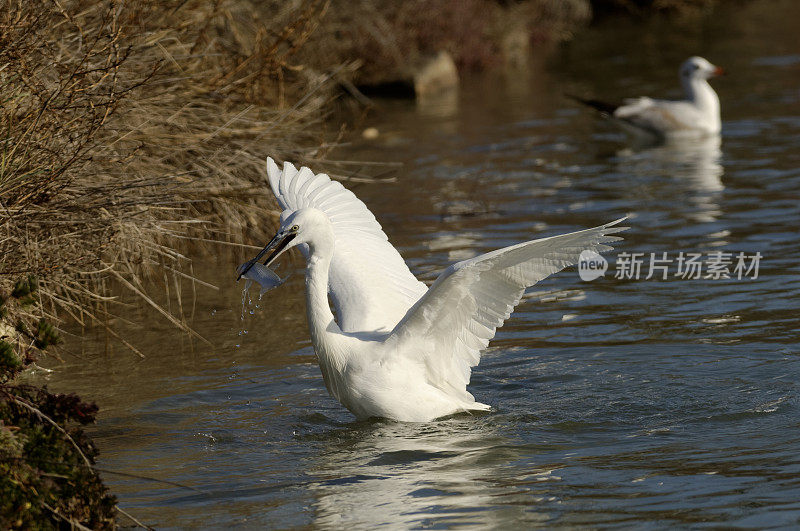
{"x": 388, "y": 39}
{"x": 129, "y": 130}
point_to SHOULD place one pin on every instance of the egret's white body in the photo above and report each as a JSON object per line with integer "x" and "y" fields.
{"x": 398, "y": 349}
{"x": 696, "y": 115}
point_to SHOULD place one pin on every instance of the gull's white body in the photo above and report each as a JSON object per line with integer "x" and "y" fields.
{"x": 396, "y": 348}
{"x": 696, "y": 115}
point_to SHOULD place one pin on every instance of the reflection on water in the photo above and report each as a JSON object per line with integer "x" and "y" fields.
{"x": 694, "y": 165}
{"x": 629, "y": 403}
{"x": 407, "y": 474}
{"x": 438, "y": 105}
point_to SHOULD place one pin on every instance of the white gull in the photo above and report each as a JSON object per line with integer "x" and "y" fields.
{"x": 696, "y": 115}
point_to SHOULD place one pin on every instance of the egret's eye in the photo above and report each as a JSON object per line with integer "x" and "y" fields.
{"x": 295, "y": 228}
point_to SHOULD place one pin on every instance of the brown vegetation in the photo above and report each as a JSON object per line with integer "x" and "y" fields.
{"x": 642, "y": 8}
{"x": 129, "y": 129}
{"x": 388, "y": 38}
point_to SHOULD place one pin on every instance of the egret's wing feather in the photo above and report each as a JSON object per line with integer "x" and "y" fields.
{"x": 370, "y": 284}
{"x": 459, "y": 314}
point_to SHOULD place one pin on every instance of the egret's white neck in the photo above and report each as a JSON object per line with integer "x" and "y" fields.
{"x": 326, "y": 335}
{"x": 699, "y": 92}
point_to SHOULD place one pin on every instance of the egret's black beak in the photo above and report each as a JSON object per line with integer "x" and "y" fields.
{"x": 277, "y": 244}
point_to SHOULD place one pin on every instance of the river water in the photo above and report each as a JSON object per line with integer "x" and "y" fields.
{"x": 618, "y": 402}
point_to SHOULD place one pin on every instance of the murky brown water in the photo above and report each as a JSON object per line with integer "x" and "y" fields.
{"x": 646, "y": 403}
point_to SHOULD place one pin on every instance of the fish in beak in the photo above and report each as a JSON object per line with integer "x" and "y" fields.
{"x": 276, "y": 245}
{"x": 264, "y": 276}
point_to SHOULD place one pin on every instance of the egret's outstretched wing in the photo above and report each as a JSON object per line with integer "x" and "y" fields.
{"x": 370, "y": 284}
{"x": 459, "y": 314}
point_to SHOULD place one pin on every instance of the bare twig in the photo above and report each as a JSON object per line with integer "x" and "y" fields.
{"x": 130, "y": 517}
{"x": 50, "y": 421}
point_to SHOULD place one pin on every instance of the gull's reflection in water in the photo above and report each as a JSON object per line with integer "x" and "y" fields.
{"x": 439, "y": 105}
{"x": 693, "y": 167}
{"x": 446, "y": 473}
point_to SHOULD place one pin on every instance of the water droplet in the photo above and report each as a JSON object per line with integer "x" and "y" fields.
{"x": 208, "y": 436}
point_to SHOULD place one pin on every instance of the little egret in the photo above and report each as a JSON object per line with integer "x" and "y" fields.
{"x": 697, "y": 115}
{"x": 398, "y": 349}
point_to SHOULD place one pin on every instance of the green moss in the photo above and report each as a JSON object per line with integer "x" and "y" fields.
{"x": 8, "y": 358}
{"x": 21, "y": 328}
{"x": 45, "y": 481}
{"x": 43, "y": 476}
{"x": 46, "y": 335}
{"x": 26, "y": 302}
{"x": 25, "y": 287}
{"x": 10, "y": 363}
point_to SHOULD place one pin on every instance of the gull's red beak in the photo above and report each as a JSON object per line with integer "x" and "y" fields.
{"x": 719, "y": 71}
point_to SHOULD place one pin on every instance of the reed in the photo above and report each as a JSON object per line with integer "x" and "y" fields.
{"x": 129, "y": 130}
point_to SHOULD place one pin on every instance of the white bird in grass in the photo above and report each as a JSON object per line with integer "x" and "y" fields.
{"x": 697, "y": 115}
{"x": 400, "y": 350}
